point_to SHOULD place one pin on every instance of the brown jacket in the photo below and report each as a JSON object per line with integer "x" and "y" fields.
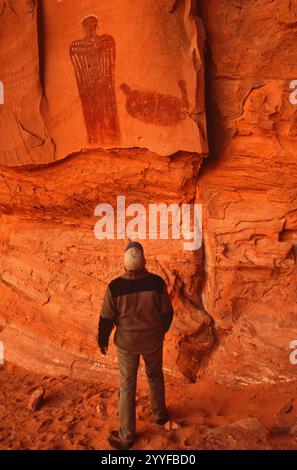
{"x": 141, "y": 310}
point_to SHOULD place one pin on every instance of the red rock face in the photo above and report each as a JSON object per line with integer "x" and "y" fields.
{"x": 24, "y": 139}
{"x": 248, "y": 189}
{"x": 108, "y": 100}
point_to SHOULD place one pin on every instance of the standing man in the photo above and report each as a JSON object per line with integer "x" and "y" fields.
{"x": 139, "y": 305}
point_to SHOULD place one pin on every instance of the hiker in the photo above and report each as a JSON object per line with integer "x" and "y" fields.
{"x": 138, "y": 304}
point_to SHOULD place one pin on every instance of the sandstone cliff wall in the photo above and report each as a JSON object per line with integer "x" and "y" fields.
{"x": 61, "y": 155}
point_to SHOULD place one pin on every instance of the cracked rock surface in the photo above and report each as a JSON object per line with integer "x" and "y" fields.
{"x": 248, "y": 187}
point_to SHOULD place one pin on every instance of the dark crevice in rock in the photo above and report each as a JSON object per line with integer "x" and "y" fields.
{"x": 195, "y": 350}
{"x": 218, "y": 134}
{"x": 195, "y": 347}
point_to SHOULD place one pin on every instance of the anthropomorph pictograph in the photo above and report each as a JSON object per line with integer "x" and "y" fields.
{"x": 157, "y": 108}
{"x": 93, "y": 58}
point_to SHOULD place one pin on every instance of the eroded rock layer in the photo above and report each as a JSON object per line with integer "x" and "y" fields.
{"x": 248, "y": 188}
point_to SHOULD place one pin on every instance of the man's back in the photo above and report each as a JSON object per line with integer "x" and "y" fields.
{"x": 141, "y": 309}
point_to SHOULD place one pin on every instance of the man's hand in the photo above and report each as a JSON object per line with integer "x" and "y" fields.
{"x": 104, "y": 330}
{"x": 104, "y": 350}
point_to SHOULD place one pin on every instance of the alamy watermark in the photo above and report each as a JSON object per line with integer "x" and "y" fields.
{"x": 158, "y": 221}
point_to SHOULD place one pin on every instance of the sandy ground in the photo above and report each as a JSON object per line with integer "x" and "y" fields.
{"x": 79, "y": 414}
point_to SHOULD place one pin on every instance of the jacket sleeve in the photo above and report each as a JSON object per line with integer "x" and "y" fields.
{"x": 107, "y": 319}
{"x": 166, "y": 310}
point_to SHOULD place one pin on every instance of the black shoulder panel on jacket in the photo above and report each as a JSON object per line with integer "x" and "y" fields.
{"x": 121, "y": 286}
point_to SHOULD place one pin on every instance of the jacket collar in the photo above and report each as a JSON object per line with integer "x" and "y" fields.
{"x": 137, "y": 275}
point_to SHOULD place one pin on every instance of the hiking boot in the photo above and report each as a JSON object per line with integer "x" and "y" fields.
{"x": 163, "y": 421}
{"x": 116, "y": 442}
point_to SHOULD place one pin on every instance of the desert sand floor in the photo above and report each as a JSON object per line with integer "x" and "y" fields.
{"x": 78, "y": 414}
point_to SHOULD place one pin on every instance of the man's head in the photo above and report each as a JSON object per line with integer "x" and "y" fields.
{"x": 134, "y": 259}
{"x": 90, "y": 24}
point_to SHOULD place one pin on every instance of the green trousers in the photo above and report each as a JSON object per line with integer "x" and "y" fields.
{"x": 128, "y": 366}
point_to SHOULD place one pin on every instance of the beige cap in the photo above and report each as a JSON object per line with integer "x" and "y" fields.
{"x": 134, "y": 259}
